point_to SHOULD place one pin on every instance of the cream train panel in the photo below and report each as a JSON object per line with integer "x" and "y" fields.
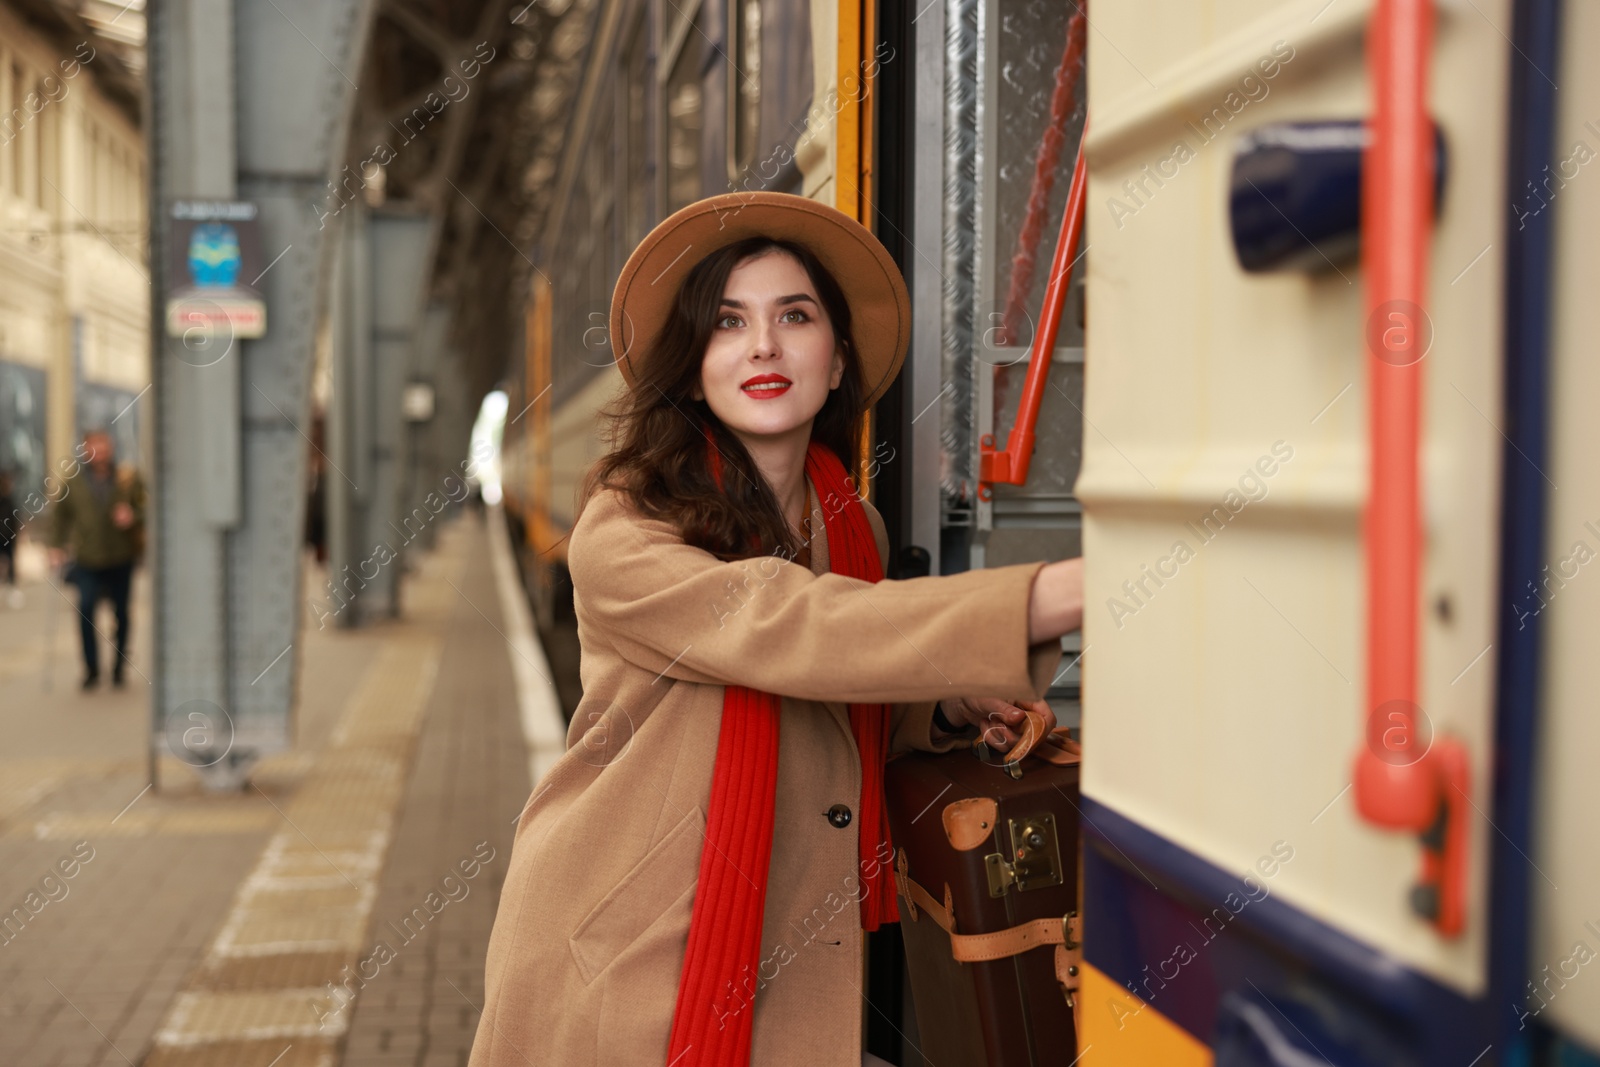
{"x": 576, "y": 442}
{"x": 1566, "y": 931}
{"x": 1223, "y": 707}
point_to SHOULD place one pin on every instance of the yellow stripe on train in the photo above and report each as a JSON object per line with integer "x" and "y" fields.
{"x": 1120, "y": 1030}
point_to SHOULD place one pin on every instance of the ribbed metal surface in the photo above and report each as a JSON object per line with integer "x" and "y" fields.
{"x": 958, "y": 479}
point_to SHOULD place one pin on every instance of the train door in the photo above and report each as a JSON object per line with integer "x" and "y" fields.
{"x": 1241, "y": 906}
{"x": 1028, "y": 119}
{"x": 979, "y": 119}
{"x": 997, "y": 108}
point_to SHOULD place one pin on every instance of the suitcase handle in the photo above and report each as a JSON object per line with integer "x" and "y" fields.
{"x": 1053, "y": 746}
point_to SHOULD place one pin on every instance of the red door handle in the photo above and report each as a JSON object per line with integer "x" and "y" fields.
{"x": 1402, "y": 782}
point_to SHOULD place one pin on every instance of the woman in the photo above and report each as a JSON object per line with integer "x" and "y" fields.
{"x": 690, "y": 882}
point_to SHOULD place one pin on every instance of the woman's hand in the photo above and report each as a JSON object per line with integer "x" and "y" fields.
{"x": 999, "y": 720}
{"x": 1055, "y": 604}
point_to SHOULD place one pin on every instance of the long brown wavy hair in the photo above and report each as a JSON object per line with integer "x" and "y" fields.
{"x": 658, "y": 431}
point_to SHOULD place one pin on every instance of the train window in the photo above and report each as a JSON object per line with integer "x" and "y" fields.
{"x": 19, "y": 153}
{"x": 1018, "y": 68}
{"x": 637, "y": 167}
{"x": 676, "y": 17}
{"x": 602, "y": 215}
{"x": 1029, "y": 48}
{"x": 48, "y": 153}
{"x": 744, "y": 85}
{"x": 685, "y": 114}
{"x": 571, "y": 359}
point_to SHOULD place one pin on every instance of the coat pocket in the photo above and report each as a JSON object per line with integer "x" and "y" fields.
{"x": 667, "y": 871}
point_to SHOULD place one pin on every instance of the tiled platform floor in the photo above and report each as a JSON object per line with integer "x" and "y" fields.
{"x": 218, "y": 921}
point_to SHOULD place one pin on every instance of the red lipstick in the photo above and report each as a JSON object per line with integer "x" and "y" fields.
{"x": 765, "y": 386}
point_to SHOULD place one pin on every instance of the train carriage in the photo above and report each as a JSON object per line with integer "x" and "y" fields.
{"x": 1202, "y": 419}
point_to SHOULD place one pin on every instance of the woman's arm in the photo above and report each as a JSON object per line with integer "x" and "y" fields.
{"x": 914, "y": 729}
{"x": 774, "y": 626}
{"x": 1055, "y": 606}
{"x": 941, "y": 726}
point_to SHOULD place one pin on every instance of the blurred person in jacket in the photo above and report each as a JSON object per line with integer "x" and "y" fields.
{"x": 98, "y": 524}
{"x": 10, "y": 530}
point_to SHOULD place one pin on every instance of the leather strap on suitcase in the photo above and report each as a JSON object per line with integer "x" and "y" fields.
{"x": 1065, "y": 933}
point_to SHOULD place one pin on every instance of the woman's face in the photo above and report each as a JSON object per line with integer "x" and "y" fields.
{"x": 772, "y": 357}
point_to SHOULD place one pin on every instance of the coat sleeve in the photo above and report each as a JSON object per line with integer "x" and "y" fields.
{"x": 911, "y": 730}
{"x": 769, "y": 624}
{"x": 138, "y": 498}
{"x": 60, "y": 530}
{"x": 910, "y": 725}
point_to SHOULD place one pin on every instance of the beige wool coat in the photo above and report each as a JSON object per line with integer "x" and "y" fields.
{"x": 588, "y": 942}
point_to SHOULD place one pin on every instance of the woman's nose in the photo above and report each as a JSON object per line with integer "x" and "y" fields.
{"x": 764, "y": 344}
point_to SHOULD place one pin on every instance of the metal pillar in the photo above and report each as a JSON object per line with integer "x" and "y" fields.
{"x": 383, "y": 266}
{"x": 268, "y": 124}
{"x": 429, "y": 451}
{"x": 347, "y": 420}
{"x": 402, "y": 251}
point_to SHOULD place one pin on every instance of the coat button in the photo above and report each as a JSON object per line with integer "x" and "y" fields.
{"x": 839, "y": 815}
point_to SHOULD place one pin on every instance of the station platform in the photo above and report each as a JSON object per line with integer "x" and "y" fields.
{"x": 336, "y": 911}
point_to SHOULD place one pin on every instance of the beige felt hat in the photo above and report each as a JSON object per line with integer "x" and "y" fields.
{"x": 880, "y": 307}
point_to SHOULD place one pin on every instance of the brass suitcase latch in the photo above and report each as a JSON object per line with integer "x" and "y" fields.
{"x": 1034, "y": 861}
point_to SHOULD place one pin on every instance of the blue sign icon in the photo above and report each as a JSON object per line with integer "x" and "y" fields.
{"x": 214, "y": 256}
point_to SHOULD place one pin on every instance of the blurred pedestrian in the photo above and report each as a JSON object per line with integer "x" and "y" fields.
{"x": 10, "y": 530}
{"x": 98, "y": 525}
{"x": 316, "y": 531}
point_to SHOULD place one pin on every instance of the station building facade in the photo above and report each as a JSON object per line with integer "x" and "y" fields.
{"x": 74, "y": 268}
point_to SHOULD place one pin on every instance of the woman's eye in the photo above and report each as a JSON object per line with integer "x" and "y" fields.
{"x": 727, "y": 322}
{"x": 800, "y": 316}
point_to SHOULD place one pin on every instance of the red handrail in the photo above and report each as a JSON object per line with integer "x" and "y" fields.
{"x": 1010, "y": 464}
{"x": 1397, "y": 786}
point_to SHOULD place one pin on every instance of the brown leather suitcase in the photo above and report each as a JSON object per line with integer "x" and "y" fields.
{"x": 987, "y": 872}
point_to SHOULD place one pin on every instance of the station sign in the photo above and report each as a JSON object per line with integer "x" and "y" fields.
{"x": 213, "y": 262}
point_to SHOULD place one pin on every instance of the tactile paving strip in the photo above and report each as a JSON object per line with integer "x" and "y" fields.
{"x": 76, "y": 826}
{"x": 301, "y": 916}
{"x": 26, "y": 782}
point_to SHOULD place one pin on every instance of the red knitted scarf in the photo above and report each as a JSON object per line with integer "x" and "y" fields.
{"x": 716, "y": 992}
